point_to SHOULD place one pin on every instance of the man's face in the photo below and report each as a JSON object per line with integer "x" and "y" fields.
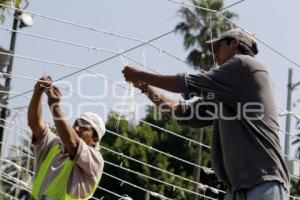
{"x": 223, "y": 51}
{"x": 85, "y": 131}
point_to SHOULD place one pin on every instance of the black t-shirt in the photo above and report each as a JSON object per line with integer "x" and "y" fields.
{"x": 237, "y": 100}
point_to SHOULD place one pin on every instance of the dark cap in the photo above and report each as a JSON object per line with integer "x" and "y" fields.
{"x": 243, "y": 36}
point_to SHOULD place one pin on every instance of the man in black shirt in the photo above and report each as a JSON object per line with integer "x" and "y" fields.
{"x": 237, "y": 100}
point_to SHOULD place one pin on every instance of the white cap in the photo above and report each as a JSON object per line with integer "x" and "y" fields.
{"x": 96, "y": 122}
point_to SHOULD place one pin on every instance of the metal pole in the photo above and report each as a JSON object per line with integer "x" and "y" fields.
{"x": 197, "y": 171}
{"x": 288, "y": 117}
{"x": 4, "y": 111}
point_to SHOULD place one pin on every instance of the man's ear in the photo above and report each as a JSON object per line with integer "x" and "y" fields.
{"x": 96, "y": 139}
{"x": 234, "y": 43}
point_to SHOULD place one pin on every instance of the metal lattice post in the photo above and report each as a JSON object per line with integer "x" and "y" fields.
{"x": 4, "y": 110}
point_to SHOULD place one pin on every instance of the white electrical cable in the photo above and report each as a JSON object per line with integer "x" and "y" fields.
{"x": 101, "y": 31}
{"x": 157, "y": 180}
{"x": 169, "y": 155}
{"x": 205, "y": 169}
{"x": 20, "y": 168}
{"x": 73, "y": 44}
{"x": 113, "y": 193}
{"x": 161, "y": 170}
{"x": 131, "y": 184}
{"x": 229, "y": 20}
{"x": 193, "y": 6}
{"x": 145, "y": 122}
{"x": 104, "y": 60}
{"x": 17, "y": 150}
{"x": 10, "y": 197}
{"x": 20, "y": 184}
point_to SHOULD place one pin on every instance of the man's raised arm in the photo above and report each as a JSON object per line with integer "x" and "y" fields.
{"x": 35, "y": 110}
{"x": 66, "y": 133}
{"x": 165, "y": 104}
{"x": 165, "y": 82}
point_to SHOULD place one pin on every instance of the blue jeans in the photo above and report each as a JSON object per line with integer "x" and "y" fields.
{"x": 270, "y": 190}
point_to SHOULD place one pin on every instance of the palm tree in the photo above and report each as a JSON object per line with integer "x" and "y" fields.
{"x": 198, "y": 26}
{"x": 17, "y": 4}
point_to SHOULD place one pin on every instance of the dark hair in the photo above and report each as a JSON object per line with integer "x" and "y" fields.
{"x": 243, "y": 48}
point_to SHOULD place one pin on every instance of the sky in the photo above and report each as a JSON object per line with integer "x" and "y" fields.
{"x": 272, "y": 21}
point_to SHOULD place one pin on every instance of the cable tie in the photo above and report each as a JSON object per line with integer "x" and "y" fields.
{"x": 182, "y": 194}
{"x": 155, "y": 194}
{"x": 89, "y": 25}
{"x": 202, "y": 187}
{"x": 160, "y": 51}
{"x": 122, "y": 183}
{"x": 214, "y": 190}
{"x": 126, "y": 197}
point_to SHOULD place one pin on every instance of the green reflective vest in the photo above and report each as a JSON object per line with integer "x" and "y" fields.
{"x": 57, "y": 189}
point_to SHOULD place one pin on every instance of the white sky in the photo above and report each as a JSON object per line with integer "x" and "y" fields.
{"x": 273, "y": 21}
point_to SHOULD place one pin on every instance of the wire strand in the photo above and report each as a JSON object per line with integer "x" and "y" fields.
{"x": 143, "y": 121}
{"x": 131, "y": 184}
{"x": 157, "y": 180}
{"x": 161, "y": 170}
{"x": 229, "y": 20}
{"x": 76, "y": 45}
{"x": 103, "y": 32}
{"x": 105, "y": 60}
{"x": 205, "y": 169}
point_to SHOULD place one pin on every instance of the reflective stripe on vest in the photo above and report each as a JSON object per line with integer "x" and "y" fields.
{"x": 43, "y": 171}
{"x": 57, "y": 190}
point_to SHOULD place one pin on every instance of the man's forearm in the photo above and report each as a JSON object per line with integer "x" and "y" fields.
{"x": 66, "y": 133}
{"x": 168, "y": 83}
{"x": 35, "y": 114}
{"x": 163, "y": 102}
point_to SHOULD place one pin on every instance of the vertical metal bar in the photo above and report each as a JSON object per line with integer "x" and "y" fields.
{"x": 4, "y": 110}
{"x": 197, "y": 170}
{"x": 288, "y": 117}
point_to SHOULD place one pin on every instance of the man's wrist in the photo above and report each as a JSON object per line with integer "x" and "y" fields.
{"x": 140, "y": 76}
{"x": 54, "y": 106}
{"x": 37, "y": 92}
{"x": 144, "y": 90}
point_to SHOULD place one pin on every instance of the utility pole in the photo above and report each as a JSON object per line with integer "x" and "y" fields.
{"x": 4, "y": 111}
{"x": 197, "y": 170}
{"x": 290, "y": 87}
{"x": 21, "y": 19}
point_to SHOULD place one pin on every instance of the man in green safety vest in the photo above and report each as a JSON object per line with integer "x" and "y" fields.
{"x": 68, "y": 165}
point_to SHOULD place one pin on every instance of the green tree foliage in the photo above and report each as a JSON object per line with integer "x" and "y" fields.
{"x": 198, "y": 26}
{"x": 17, "y": 4}
{"x": 159, "y": 140}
